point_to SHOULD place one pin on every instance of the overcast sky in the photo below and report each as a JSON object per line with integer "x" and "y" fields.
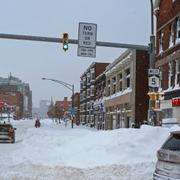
{"x": 122, "y": 21}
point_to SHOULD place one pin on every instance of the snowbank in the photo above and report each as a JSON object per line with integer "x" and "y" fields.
{"x": 56, "y": 145}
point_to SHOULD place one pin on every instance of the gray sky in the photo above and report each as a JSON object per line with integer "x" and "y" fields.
{"x": 123, "y": 21}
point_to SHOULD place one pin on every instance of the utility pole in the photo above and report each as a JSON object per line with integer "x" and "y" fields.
{"x": 155, "y": 73}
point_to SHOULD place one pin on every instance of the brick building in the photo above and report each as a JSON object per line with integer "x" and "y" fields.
{"x": 13, "y": 98}
{"x": 77, "y": 106}
{"x": 168, "y": 55}
{"x": 126, "y": 100}
{"x": 99, "y": 108}
{"x": 15, "y": 86}
{"x": 62, "y": 108}
{"x": 87, "y": 92}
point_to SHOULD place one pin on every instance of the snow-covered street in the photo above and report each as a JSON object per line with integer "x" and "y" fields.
{"x": 54, "y": 151}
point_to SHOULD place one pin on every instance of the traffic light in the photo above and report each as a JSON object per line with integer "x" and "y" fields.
{"x": 153, "y": 96}
{"x": 65, "y": 41}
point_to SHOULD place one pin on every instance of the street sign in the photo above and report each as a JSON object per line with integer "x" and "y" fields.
{"x": 73, "y": 111}
{"x": 153, "y": 81}
{"x": 86, "y": 52}
{"x": 153, "y": 72}
{"x": 87, "y": 36}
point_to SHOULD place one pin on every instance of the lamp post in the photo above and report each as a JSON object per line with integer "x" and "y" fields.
{"x": 68, "y": 86}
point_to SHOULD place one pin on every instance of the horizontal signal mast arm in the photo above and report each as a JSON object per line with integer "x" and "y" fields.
{"x": 71, "y": 41}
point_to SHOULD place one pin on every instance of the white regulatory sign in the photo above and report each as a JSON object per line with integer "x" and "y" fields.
{"x": 87, "y": 52}
{"x": 87, "y": 35}
{"x": 154, "y": 81}
{"x": 153, "y": 72}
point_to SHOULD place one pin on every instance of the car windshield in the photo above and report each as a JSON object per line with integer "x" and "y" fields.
{"x": 173, "y": 143}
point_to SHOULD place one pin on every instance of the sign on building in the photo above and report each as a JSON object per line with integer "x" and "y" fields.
{"x": 87, "y": 36}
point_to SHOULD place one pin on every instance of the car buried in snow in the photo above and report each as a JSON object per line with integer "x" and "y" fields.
{"x": 7, "y": 133}
{"x": 168, "y": 163}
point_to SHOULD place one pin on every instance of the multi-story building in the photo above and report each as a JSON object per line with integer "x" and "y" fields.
{"x": 13, "y": 84}
{"x": 126, "y": 100}
{"x": 15, "y": 99}
{"x": 62, "y": 107}
{"x": 168, "y": 55}
{"x": 87, "y": 93}
{"x": 99, "y": 108}
{"x": 77, "y": 106}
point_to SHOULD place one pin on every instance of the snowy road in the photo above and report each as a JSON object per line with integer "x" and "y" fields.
{"x": 56, "y": 152}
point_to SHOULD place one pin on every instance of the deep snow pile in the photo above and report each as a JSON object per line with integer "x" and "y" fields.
{"x": 54, "y": 145}
{"x": 54, "y": 152}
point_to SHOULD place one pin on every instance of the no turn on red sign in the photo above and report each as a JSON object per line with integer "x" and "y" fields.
{"x": 87, "y": 36}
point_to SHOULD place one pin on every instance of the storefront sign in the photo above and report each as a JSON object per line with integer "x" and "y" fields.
{"x": 175, "y": 102}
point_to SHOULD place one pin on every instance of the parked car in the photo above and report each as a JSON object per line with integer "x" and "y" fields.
{"x": 7, "y": 133}
{"x": 168, "y": 163}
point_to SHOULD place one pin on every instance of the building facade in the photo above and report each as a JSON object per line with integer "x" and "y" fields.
{"x": 13, "y": 98}
{"x": 77, "y": 106}
{"x": 126, "y": 100}
{"x": 99, "y": 107}
{"x": 87, "y": 92}
{"x": 168, "y": 55}
{"x": 62, "y": 108}
{"x": 15, "y": 85}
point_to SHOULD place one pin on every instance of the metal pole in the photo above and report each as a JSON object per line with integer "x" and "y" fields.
{"x": 152, "y": 40}
{"x": 72, "y": 105}
{"x": 67, "y": 86}
{"x": 71, "y": 41}
{"x": 151, "y": 64}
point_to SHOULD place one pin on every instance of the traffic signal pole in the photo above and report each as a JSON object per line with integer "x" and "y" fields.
{"x": 71, "y": 41}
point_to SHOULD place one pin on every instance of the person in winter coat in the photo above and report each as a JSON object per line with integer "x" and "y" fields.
{"x": 37, "y": 123}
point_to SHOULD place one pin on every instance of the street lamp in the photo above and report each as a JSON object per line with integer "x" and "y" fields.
{"x": 68, "y": 86}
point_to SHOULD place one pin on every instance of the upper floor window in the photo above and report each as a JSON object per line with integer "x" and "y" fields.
{"x": 171, "y": 38}
{"x": 161, "y": 41}
{"x": 114, "y": 84}
{"x": 127, "y": 77}
{"x": 120, "y": 81}
{"x": 177, "y": 72}
{"x": 178, "y": 30}
{"x": 170, "y": 77}
{"x": 114, "y": 80}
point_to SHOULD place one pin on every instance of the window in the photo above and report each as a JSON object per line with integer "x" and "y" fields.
{"x": 167, "y": 113}
{"x": 160, "y": 77}
{"x": 108, "y": 88}
{"x": 177, "y": 75}
{"x": 170, "y": 78}
{"x": 171, "y": 38}
{"x": 178, "y": 31}
{"x": 128, "y": 77}
{"x": 173, "y": 143}
{"x": 161, "y": 42}
{"x": 120, "y": 81}
{"x": 114, "y": 84}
